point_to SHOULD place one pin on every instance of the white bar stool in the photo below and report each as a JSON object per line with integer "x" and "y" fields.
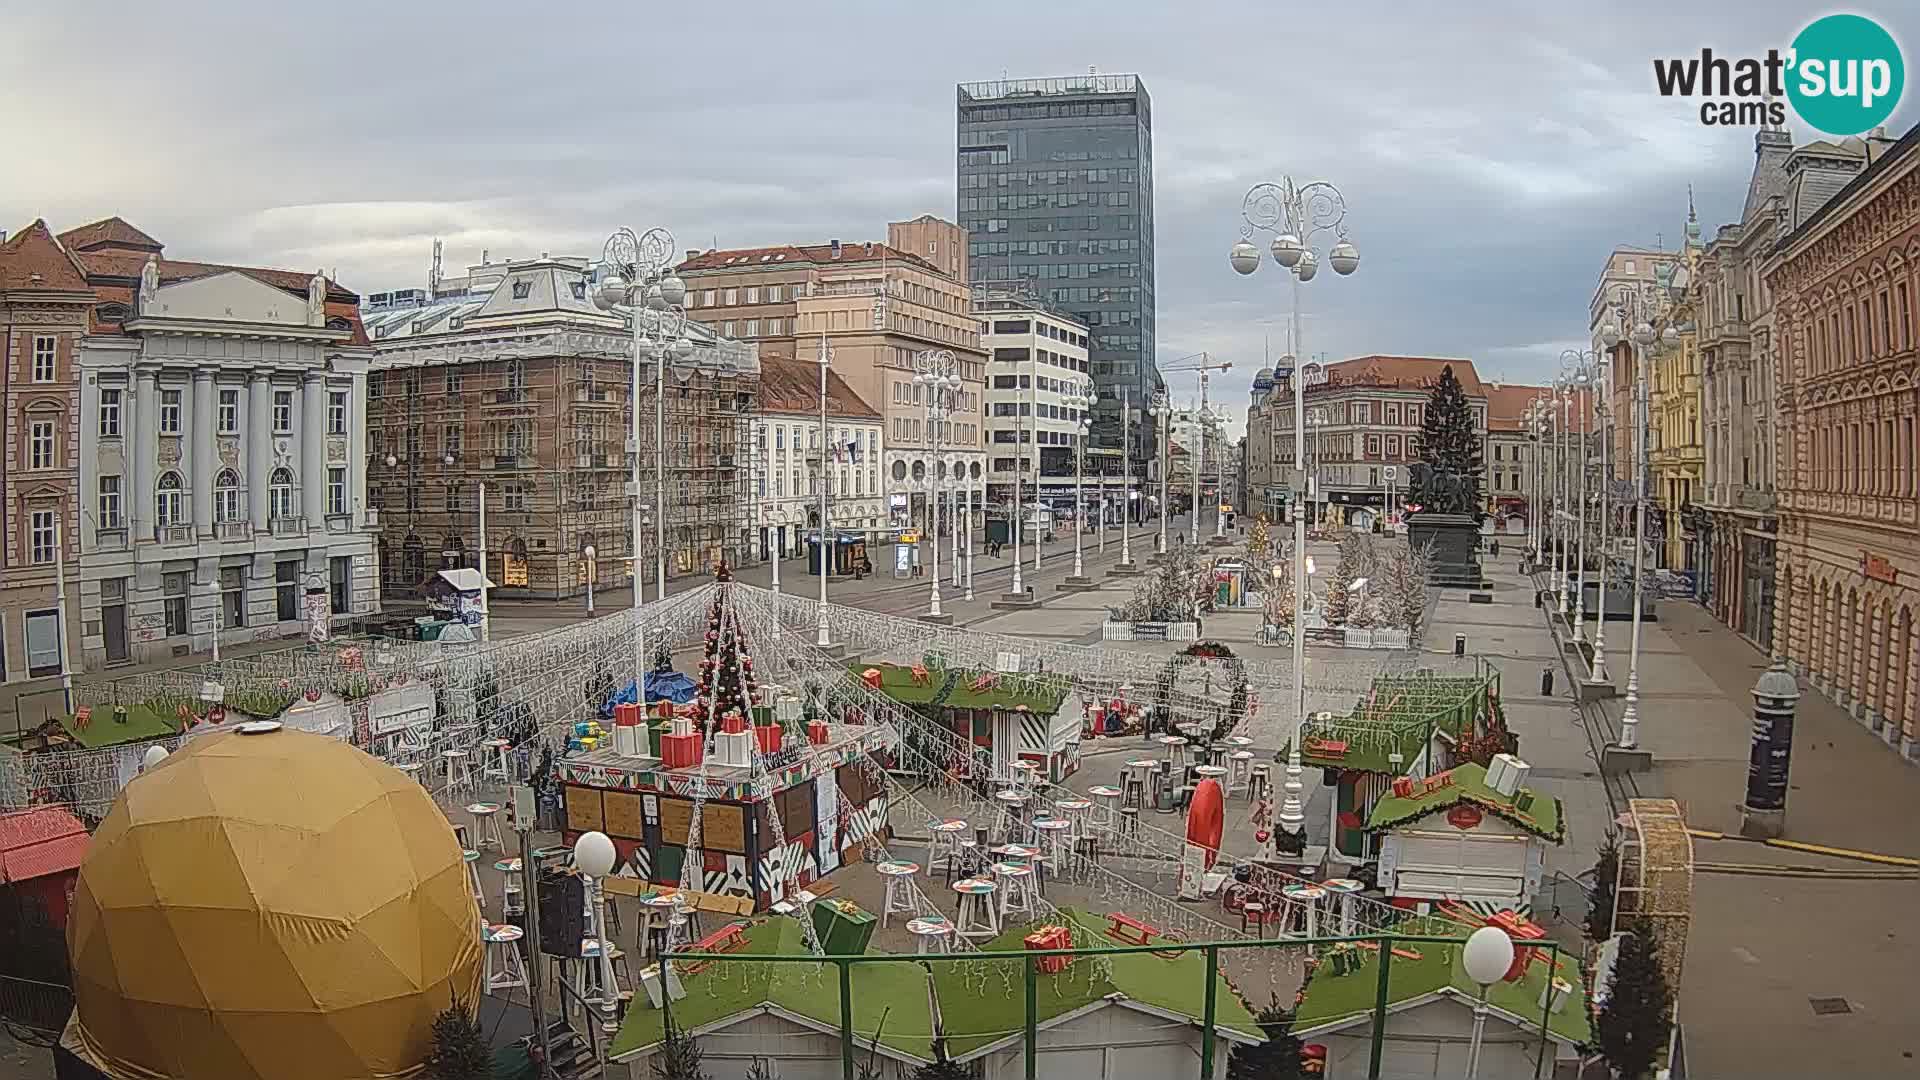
{"x": 1052, "y": 834}
{"x": 1308, "y": 897}
{"x": 1078, "y": 812}
{"x": 459, "y": 771}
{"x": 505, "y": 970}
{"x": 513, "y": 901}
{"x": 931, "y": 934}
{"x": 1016, "y": 888}
{"x": 1012, "y": 802}
{"x": 1026, "y": 774}
{"x": 1240, "y": 771}
{"x": 943, "y": 840}
{"x": 1260, "y": 782}
{"x": 486, "y": 825}
{"x": 900, "y": 898}
{"x": 1107, "y": 803}
{"x": 472, "y": 859}
{"x": 498, "y": 760}
{"x": 979, "y": 916}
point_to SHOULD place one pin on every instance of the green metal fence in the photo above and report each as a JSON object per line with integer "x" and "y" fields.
{"x": 851, "y": 1043}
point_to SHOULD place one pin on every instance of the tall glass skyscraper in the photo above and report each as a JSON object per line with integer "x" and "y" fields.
{"x": 1056, "y": 192}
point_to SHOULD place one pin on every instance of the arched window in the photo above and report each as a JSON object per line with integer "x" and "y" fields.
{"x": 280, "y": 494}
{"x": 226, "y": 496}
{"x": 168, "y": 508}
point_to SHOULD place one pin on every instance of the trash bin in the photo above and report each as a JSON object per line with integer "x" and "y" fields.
{"x": 1546, "y": 682}
{"x": 1459, "y": 644}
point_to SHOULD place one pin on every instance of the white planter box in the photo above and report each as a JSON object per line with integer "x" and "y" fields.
{"x": 1359, "y": 639}
{"x": 1116, "y": 631}
{"x": 1391, "y": 639}
{"x": 1154, "y": 631}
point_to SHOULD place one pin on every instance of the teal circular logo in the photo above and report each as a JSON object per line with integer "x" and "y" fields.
{"x": 1845, "y": 74}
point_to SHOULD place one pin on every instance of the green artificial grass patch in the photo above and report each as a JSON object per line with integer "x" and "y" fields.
{"x": 144, "y": 722}
{"x": 1541, "y": 817}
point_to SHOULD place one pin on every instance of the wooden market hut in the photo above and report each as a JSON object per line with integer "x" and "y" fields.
{"x": 1011, "y": 717}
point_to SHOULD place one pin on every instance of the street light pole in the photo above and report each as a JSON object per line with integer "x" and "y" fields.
{"x": 938, "y": 370}
{"x": 1580, "y": 382}
{"x": 1295, "y": 215}
{"x": 1126, "y": 483}
{"x": 1159, "y": 409}
{"x": 823, "y": 635}
{"x": 636, "y": 273}
{"x": 1080, "y": 400}
{"x": 1642, "y": 337}
{"x": 1605, "y": 541}
{"x": 590, "y": 568}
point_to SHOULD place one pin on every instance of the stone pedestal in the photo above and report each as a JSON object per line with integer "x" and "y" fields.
{"x": 1453, "y": 540}
{"x": 1617, "y": 760}
{"x": 1016, "y": 601}
{"x": 1075, "y": 584}
{"x": 1125, "y": 569}
{"x": 942, "y": 619}
{"x": 1762, "y": 824}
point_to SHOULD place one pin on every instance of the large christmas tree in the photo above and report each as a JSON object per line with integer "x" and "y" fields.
{"x": 1633, "y": 1026}
{"x": 1450, "y": 444}
{"x": 726, "y": 668}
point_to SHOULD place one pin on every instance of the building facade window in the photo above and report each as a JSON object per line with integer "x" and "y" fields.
{"x": 283, "y": 411}
{"x": 46, "y": 348}
{"x": 40, "y": 444}
{"x": 337, "y": 412}
{"x": 40, "y": 536}
{"x": 336, "y": 491}
{"x": 173, "y": 587}
{"x": 233, "y": 596}
{"x": 226, "y": 496}
{"x": 227, "y": 413}
{"x": 109, "y": 414}
{"x": 340, "y": 583}
{"x": 286, "y": 591}
{"x": 167, "y": 501}
{"x": 169, "y": 412}
{"x": 280, "y": 494}
{"x": 108, "y": 502}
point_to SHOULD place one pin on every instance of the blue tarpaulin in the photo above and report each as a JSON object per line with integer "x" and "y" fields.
{"x": 661, "y": 686}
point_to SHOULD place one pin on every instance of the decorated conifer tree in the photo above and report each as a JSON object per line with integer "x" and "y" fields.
{"x": 726, "y": 667}
{"x": 459, "y": 1047}
{"x": 1259, "y": 542}
{"x": 1276, "y": 1059}
{"x": 1338, "y": 594}
{"x": 1279, "y": 602}
{"x": 1448, "y": 443}
{"x": 1606, "y": 881}
{"x": 1633, "y": 1026}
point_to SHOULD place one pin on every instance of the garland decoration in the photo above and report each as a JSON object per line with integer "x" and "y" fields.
{"x": 1226, "y": 720}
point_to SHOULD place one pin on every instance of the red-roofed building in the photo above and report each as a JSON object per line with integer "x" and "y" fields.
{"x": 43, "y": 309}
{"x": 787, "y": 457}
{"x": 876, "y": 307}
{"x": 40, "y": 855}
{"x": 222, "y": 474}
{"x": 1363, "y": 426}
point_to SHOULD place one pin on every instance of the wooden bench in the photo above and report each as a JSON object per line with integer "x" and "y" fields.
{"x": 729, "y": 938}
{"x": 1129, "y": 930}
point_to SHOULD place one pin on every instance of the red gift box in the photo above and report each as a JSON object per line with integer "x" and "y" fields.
{"x": 872, "y": 678}
{"x": 1403, "y": 787}
{"x": 733, "y": 723}
{"x": 1050, "y": 937}
{"x": 768, "y": 737}
{"x": 680, "y": 751}
{"x": 817, "y": 732}
{"x": 627, "y": 715}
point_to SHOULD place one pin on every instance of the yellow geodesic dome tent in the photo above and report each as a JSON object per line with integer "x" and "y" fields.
{"x": 273, "y": 904}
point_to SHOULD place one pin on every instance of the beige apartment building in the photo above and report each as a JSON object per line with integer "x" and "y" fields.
{"x": 874, "y": 308}
{"x": 934, "y": 239}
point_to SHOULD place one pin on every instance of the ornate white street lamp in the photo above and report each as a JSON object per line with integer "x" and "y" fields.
{"x": 938, "y": 371}
{"x": 1080, "y": 400}
{"x": 636, "y": 273}
{"x": 1580, "y": 367}
{"x": 1296, "y": 215}
{"x": 1600, "y": 410}
{"x": 1162, "y": 417}
{"x": 1628, "y": 305}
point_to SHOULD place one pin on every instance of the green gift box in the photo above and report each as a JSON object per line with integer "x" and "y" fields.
{"x": 843, "y": 928}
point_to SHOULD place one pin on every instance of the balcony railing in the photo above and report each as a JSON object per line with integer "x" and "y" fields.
{"x": 110, "y": 538}
{"x": 512, "y": 461}
{"x": 289, "y": 526}
{"x": 173, "y": 534}
{"x": 233, "y": 530}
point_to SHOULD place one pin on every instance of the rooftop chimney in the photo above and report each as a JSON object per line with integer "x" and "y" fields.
{"x": 693, "y": 253}
{"x": 835, "y": 246}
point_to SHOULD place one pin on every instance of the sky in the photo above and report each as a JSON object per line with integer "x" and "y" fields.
{"x": 1491, "y": 154}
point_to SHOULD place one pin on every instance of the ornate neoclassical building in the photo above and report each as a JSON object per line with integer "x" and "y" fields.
{"x": 1845, "y": 285}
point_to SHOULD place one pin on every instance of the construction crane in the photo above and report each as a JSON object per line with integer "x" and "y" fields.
{"x": 1204, "y": 365}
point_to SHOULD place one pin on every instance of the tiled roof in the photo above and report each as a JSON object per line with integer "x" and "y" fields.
{"x": 35, "y": 843}
{"x": 112, "y": 273}
{"x": 113, "y": 232}
{"x": 773, "y": 258}
{"x": 33, "y": 259}
{"x": 1404, "y": 372}
{"x": 793, "y": 386}
{"x": 1507, "y": 403}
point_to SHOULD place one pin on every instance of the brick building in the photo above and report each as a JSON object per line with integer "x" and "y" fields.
{"x": 1845, "y": 285}
{"x": 44, "y": 301}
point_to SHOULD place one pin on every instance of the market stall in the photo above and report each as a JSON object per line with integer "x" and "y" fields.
{"x": 1012, "y": 717}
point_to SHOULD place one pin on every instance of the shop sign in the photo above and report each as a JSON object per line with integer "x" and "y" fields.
{"x": 1464, "y": 816}
{"x": 1876, "y": 568}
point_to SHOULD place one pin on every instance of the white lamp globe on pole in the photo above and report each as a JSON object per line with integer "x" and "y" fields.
{"x": 153, "y": 757}
{"x": 1486, "y": 958}
{"x": 1245, "y": 258}
{"x": 594, "y": 856}
{"x": 1287, "y": 250}
{"x": 590, "y": 553}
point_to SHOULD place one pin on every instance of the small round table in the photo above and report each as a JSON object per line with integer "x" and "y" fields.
{"x": 1241, "y": 741}
{"x": 495, "y": 763}
{"x": 1307, "y": 895}
{"x": 1017, "y": 896}
{"x": 1109, "y": 797}
{"x": 1026, "y": 773}
{"x": 1344, "y": 888}
{"x": 979, "y": 915}
{"x": 486, "y": 824}
{"x": 1210, "y": 772}
{"x": 1011, "y": 801}
{"x": 1053, "y": 833}
{"x": 503, "y": 967}
{"x": 900, "y": 894}
{"x": 943, "y": 839}
{"x": 1176, "y": 749}
{"x": 930, "y": 933}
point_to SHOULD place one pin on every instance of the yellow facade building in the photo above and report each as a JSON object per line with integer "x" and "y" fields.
{"x": 1677, "y": 447}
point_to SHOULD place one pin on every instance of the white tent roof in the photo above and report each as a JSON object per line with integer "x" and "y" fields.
{"x": 465, "y": 579}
